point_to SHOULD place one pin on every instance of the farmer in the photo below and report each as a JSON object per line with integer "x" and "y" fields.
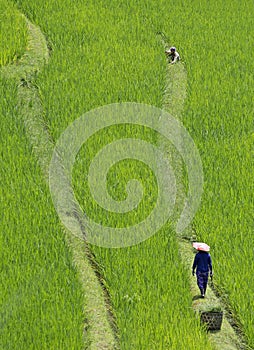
{"x": 203, "y": 265}
{"x": 172, "y": 55}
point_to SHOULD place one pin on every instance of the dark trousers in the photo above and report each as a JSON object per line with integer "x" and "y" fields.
{"x": 202, "y": 280}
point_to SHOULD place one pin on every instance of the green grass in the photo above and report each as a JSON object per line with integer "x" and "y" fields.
{"x": 13, "y": 33}
{"x": 110, "y": 53}
{"x": 105, "y": 59}
{"x": 40, "y": 298}
{"x": 96, "y": 325}
{"x": 219, "y": 115}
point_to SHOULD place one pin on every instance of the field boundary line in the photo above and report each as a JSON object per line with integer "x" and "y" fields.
{"x": 173, "y": 102}
{"x": 99, "y": 325}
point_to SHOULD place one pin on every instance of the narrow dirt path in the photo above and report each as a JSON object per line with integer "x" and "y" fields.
{"x": 174, "y": 96}
{"x": 98, "y": 327}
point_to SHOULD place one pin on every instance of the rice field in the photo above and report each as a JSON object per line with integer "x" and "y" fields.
{"x": 40, "y": 297}
{"x": 107, "y": 53}
{"x": 41, "y": 302}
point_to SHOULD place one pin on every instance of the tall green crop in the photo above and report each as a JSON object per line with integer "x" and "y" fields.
{"x": 105, "y": 53}
{"x": 40, "y": 294}
{"x": 219, "y": 115}
{"x": 109, "y": 52}
{"x": 13, "y": 32}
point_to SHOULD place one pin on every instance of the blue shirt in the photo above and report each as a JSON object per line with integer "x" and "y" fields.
{"x": 202, "y": 262}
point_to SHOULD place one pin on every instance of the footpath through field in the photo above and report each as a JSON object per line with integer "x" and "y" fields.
{"x": 175, "y": 93}
{"x": 98, "y": 327}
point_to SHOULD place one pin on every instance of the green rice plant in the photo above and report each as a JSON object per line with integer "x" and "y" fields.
{"x": 219, "y": 115}
{"x": 13, "y": 33}
{"x": 41, "y": 302}
{"x": 109, "y": 52}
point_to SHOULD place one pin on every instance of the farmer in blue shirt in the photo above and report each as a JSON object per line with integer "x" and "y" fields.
{"x": 203, "y": 265}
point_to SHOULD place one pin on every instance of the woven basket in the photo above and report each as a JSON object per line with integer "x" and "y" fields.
{"x": 212, "y": 319}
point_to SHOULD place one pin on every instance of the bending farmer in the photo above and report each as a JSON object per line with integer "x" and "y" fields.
{"x": 203, "y": 265}
{"x": 172, "y": 55}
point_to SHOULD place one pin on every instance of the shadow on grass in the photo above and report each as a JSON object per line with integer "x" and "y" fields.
{"x": 196, "y": 297}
